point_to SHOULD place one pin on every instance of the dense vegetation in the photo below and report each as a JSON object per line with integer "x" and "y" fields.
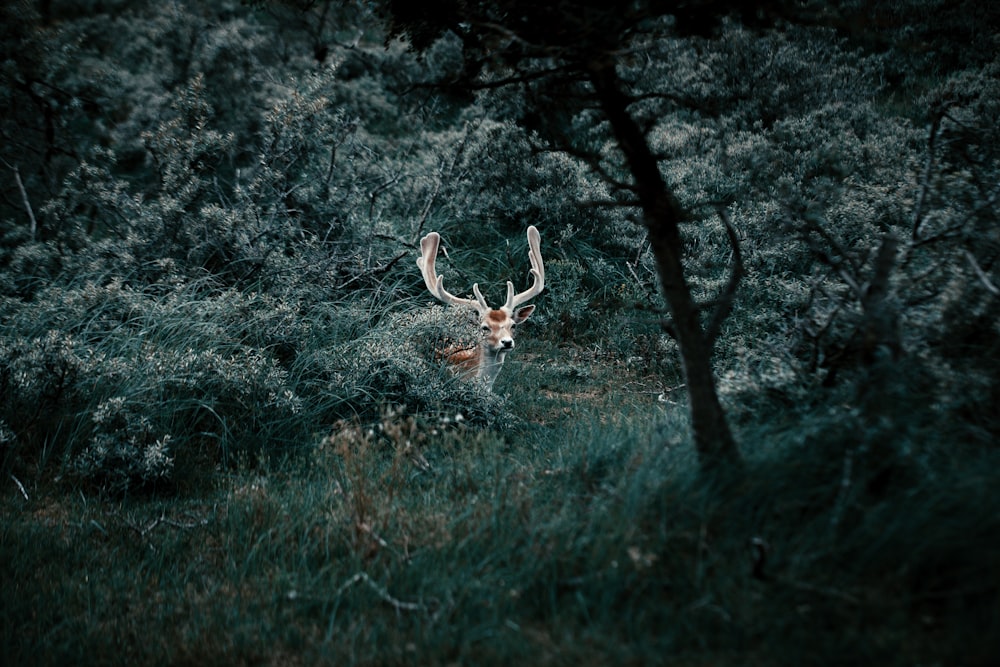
{"x": 224, "y": 436}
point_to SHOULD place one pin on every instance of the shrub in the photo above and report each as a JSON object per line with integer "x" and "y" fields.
{"x": 394, "y": 364}
{"x": 124, "y": 451}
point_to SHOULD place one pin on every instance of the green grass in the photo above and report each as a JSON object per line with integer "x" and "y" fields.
{"x": 581, "y": 533}
{"x": 564, "y": 520}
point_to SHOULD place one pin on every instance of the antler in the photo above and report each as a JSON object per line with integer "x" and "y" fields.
{"x": 435, "y": 283}
{"x": 537, "y": 274}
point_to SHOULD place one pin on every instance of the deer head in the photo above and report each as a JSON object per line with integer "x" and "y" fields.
{"x": 496, "y": 324}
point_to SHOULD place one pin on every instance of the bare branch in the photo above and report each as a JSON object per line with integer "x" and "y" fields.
{"x": 985, "y": 279}
{"x": 381, "y": 592}
{"x": 479, "y": 84}
{"x": 592, "y": 160}
{"x": 20, "y": 487}
{"x": 384, "y": 185}
{"x": 26, "y": 202}
{"x": 850, "y": 273}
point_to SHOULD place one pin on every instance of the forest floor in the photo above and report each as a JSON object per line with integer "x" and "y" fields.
{"x": 582, "y": 534}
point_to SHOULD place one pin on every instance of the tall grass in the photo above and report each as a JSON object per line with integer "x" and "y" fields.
{"x": 573, "y": 536}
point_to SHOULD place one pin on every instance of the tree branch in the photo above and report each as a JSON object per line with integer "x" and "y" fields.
{"x": 24, "y": 199}
{"x": 850, "y": 275}
{"x": 592, "y": 160}
{"x": 985, "y": 279}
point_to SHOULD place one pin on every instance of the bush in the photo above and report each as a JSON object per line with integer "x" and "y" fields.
{"x": 394, "y": 364}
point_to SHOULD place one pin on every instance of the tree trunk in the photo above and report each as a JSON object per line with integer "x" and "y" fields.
{"x": 662, "y": 215}
{"x": 881, "y": 349}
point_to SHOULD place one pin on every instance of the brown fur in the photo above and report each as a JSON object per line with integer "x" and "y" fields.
{"x": 465, "y": 359}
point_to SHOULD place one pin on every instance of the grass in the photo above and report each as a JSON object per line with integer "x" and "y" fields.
{"x": 580, "y": 532}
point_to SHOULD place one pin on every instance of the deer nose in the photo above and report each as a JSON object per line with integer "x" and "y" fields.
{"x": 507, "y": 343}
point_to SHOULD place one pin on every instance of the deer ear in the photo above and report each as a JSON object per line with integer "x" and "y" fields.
{"x": 523, "y": 313}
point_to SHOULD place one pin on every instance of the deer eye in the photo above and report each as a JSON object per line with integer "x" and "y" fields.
{"x": 485, "y": 328}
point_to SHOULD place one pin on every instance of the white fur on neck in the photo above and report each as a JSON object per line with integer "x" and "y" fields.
{"x": 492, "y": 363}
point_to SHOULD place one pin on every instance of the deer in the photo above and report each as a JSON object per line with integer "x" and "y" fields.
{"x": 485, "y": 359}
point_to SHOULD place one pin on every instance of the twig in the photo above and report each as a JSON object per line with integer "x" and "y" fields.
{"x": 149, "y": 527}
{"x": 384, "y": 185}
{"x": 346, "y": 130}
{"x": 27, "y": 203}
{"x": 849, "y": 276}
{"x": 185, "y": 526}
{"x": 760, "y": 550}
{"x": 607, "y": 203}
{"x": 592, "y": 160}
{"x": 648, "y": 294}
{"x": 20, "y": 486}
{"x": 381, "y": 592}
{"x": 990, "y": 287}
{"x": 162, "y": 519}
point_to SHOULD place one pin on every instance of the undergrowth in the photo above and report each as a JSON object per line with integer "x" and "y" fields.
{"x": 131, "y": 389}
{"x": 575, "y": 536}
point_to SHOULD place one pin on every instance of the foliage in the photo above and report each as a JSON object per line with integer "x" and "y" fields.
{"x": 224, "y": 431}
{"x": 283, "y": 201}
{"x": 124, "y": 449}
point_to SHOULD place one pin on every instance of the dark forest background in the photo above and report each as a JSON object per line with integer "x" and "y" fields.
{"x": 753, "y": 419}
